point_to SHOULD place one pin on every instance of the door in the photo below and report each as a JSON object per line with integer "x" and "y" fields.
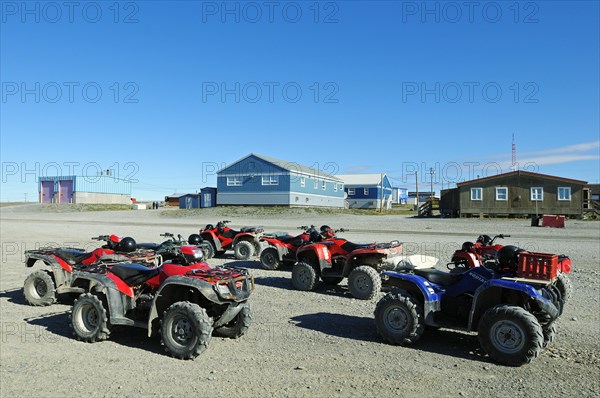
{"x": 207, "y": 200}
{"x": 65, "y": 190}
{"x": 47, "y": 192}
{"x": 188, "y": 202}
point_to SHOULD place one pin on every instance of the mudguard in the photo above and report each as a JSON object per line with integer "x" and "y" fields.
{"x": 61, "y": 270}
{"x": 212, "y": 237}
{"x": 119, "y": 301}
{"x": 487, "y": 294}
{"x": 206, "y": 289}
{"x": 320, "y": 251}
{"x": 250, "y": 237}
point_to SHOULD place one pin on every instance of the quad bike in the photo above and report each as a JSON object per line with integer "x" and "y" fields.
{"x": 244, "y": 243}
{"x": 484, "y": 249}
{"x": 164, "y": 248}
{"x": 334, "y": 259}
{"x": 184, "y": 300}
{"x": 282, "y": 247}
{"x": 514, "y": 314}
{"x": 43, "y": 286}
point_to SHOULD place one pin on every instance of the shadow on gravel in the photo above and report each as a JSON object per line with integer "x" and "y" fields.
{"x": 243, "y": 264}
{"x": 56, "y": 323}
{"x": 443, "y": 342}
{"x": 14, "y": 296}
{"x": 286, "y": 283}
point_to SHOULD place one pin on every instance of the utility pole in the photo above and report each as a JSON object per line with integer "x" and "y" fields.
{"x": 417, "y": 188}
{"x": 431, "y": 172}
{"x": 381, "y": 201}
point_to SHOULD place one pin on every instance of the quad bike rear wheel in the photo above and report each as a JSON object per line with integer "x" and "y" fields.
{"x": 399, "y": 318}
{"x": 39, "y": 288}
{"x": 186, "y": 330}
{"x": 269, "y": 258}
{"x": 243, "y": 250}
{"x": 364, "y": 282}
{"x": 208, "y": 250}
{"x": 510, "y": 335}
{"x": 564, "y": 285}
{"x": 238, "y": 326}
{"x": 304, "y": 276}
{"x": 89, "y": 319}
{"x": 549, "y": 332}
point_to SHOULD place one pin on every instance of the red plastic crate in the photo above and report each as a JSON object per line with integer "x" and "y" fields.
{"x": 540, "y": 266}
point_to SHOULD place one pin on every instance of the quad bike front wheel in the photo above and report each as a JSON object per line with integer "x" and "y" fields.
{"x": 269, "y": 258}
{"x": 304, "y": 276}
{"x": 208, "y": 250}
{"x": 186, "y": 330}
{"x": 564, "y": 285}
{"x": 364, "y": 282}
{"x": 399, "y": 318}
{"x": 39, "y": 288}
{"x": 89, "y": 319}
{"x": 510, "y": 335}
{"x": 238, "y": 326}
{"x": 243, "y": 250}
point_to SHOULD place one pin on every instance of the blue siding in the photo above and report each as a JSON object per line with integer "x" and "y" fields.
{"x": 254, "y": 184}
{"x": 190, "y": 201}
{"x": 213, "y": 197}
{"x": 309, "y": 187}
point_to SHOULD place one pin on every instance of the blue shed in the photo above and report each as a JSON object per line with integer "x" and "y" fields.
{"x": 399, "y": 195}
{"x": 367, "y": 191}
{"x": 262, "y": 180}
{"x": 189, "y": 201}
{"x": 208, "y": 197}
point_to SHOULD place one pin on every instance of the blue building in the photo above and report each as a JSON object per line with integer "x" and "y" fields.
{"x": 262, "y": 180}
{"x": 399, "y": 196}
{"x": 208, "y": 197}
{"x": 189, "y": 201}
{"x": 84, "y": 189}
{"x": 367, "y": 191}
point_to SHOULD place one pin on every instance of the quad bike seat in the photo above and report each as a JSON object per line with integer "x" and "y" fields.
{"x": 350, "y": 247}
{"x": 437, "y": 276}
{"x": 148, "y": 246}
{"x": 72, "y": 256}
{"x": 134, "y": 274}
{"x": 249, "y": 229}
{"x": 229, "y": 234}
{"x": 292, "y": 240}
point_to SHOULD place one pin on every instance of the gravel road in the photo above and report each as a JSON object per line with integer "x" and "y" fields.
{"x": 319, "y": 343}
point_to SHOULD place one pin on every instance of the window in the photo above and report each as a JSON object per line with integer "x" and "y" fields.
{"x": 340, "y": 187}
{"x": 316, "y": 185}
{"x": 324, "y": 185}
{"x": 476, "y": 193}
{"x": 502, "y": 193}
{"x": 234, "y": 181}
{"x": 270, "y": 180}
{"x": 351, "y": 192}
{"x": 537, "y": 193}
{"x": 335, "y": 187}
{"x": 564, "y": 193}
{"x": 366, "y": 191}
{"x": 302, "y": 182}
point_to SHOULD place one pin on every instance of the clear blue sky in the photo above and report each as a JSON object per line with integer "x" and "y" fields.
{"x": 385, "y": 87}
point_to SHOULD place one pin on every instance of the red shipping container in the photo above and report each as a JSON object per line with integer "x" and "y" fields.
{"x": 553, "y": 221}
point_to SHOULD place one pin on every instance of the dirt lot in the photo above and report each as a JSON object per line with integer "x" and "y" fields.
{"x": 301, "y": 343}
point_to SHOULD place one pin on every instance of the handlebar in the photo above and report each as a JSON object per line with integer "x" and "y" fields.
{"x": 306, "y": 227}
{"x": 167, "y": 234}
{"x": 225, "y": 221}
{"x": 101, "y": 237}
{"x": 500, "y": 236}
{"x": 342, "y": 230}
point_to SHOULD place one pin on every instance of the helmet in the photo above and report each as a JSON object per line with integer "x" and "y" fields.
{"x": 468, "y": 246}
{"x": 508, "y": 257}
{"x": 314, "y": 235}
{"x": 325, "y": 228}
{"x": 484, "y": 239}
{"x": 328, "y": 233}
{"x": 127, "y": 245}
{"x": 209, "y": 227}
{"x": 195, "y": 239}
{"x": 190, "y": 254}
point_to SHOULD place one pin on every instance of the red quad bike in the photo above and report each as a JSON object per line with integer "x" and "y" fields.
{"x": 245, "y": 242}
{"x": 334, "y": 259}
{"x": 43, "y": 286}
{"x": 184, "y": 300}
{"x": 485, "y": 250}
{"x": 282, "y": 247}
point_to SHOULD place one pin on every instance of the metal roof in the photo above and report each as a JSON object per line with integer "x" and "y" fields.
{"x": 288, "y": 166}
{"x": 520, "y": 172}
{"x": 360, "y": 179}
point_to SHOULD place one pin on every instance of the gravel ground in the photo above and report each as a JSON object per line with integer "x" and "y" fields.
{"x": 301, "y": 343}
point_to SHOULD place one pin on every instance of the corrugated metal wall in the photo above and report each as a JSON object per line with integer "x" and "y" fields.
{"x": 102, "y": 184}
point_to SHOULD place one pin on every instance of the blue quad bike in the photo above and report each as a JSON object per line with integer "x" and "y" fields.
{"x": 513, "y": 314}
